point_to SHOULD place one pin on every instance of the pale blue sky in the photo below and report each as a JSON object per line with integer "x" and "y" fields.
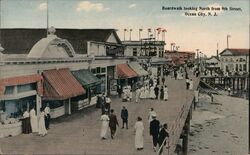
{"x": 189, "y": 33}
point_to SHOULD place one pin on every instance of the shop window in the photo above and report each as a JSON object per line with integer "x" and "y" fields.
{"x": 134, "y": 51}
{"x": 98, "y": 70}
{"x": 93, "y": 71}
{"x": 103, "y": 70}
{"x": 9, "y": 90}
{"x": 55, "y": 104}
{"x": 244, "y": 67}
{"x": 26, "y": 87}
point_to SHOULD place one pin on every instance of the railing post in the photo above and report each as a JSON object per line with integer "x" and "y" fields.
{"x": 185, "y": 137}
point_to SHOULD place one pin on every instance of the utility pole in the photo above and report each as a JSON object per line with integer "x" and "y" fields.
{"x": 228, "y": 36}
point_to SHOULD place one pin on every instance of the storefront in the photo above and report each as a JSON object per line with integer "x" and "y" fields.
{"x": 126, "y": 75}
{"x": 91, "y": 83}
{"x": 142, "y": 74}
{"x": 16, "y": 95}
{"x": 60, "y": 86}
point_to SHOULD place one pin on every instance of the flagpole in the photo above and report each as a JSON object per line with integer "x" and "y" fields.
{"x": 130, "y": 30}
{"x": 139, "y": 34}
{"x": 47, "y": 1}
{"x": 124, "y": 34}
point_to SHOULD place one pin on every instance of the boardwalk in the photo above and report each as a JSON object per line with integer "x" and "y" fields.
{"x": 80, "y": 132}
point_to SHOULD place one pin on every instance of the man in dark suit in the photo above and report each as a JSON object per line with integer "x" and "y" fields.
{"x": 162, "y": 135}
{"x": 124, "y": 116}
{"x": 112, "y": 123}
{"x": 154, "y": 130}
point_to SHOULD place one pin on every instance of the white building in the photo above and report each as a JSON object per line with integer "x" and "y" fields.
{"x": 234, "y": 60}
{"x": 144, "y": 48}
{"x": 212, "y": 65}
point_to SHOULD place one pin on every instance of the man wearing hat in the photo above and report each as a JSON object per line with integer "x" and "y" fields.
{"x": 154, "y": 130}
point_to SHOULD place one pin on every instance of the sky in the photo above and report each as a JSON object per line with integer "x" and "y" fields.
{"x": 187, "y": 32}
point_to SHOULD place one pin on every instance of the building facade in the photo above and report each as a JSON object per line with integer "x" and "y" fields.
{"x": 234, "y": 60}
{"x": 180, "y": 57}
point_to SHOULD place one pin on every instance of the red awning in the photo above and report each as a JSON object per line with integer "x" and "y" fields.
{"x": 21, "y": 80}
{"x": 124, "y": 71}
{"x": 61, "y": 84}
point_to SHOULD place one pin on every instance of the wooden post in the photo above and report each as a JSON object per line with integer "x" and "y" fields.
{"x": 185, "y": 137}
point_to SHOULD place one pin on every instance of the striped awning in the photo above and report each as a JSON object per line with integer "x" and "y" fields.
{"x": 60, "y": 85}
{"x": 124, "y": 71}
{"x": 138, "y": 68}
{"x": 20, "y": 80}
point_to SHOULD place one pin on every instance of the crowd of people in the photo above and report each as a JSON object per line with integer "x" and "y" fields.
{"x": 36, "y": 124}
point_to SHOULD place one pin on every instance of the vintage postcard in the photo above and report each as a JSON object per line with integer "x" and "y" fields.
{"x": 124, "y": 77}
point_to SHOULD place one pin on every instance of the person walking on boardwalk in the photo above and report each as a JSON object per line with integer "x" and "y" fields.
{"x": 124, "y": 116}
{"x": 154, "y": 131}
{"x": 162, "y": 93}
{"x": 26, "y": 122}
{"x": 156, "y": 90}
{"x": 112, "y": 123}
{"x": 137, "y": 94}
{"x": 151, "y": 113}
{"x": 187, "y": 83}
{"x": 33, "y": 120}
{"x": 191, "y": 84}
{"x": 41, "y": 125}
{"x": 142, "y": 93}
{"x": 139, "y": 128}
{"x": 47, "y": 116}
{"x": 105, "y": 125}
{"x": 162, "y": 135}
{"x": 165, "y": 93}
{"x": 152, "y": 93}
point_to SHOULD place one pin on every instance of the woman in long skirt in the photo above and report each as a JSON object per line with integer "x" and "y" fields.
{"x": 142, "y": 94}
{"x": 161, "y": 93}
{"x": 152, "y": 93}
{"x": 191, "y": 84}
{"x": 146, "y": 92}
{"x": 33, "y": 120}
{"x": 105, "y": 125}
{"x": 41, "y": 125}
{"x": 139, "y": 128}
{"x": 26, "y": 123}
{"x": 165, "y": 93}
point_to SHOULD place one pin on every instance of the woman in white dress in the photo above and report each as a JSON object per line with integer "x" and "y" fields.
{"x": 142, "y": 94}
{"x": 165, "y": 93}
{"x": 152, "y": 93}
{"x": 191, "y": 84}
{"x": 146, "y": 92}
{"x": 33, "y": 120}
{"x": 41, "y": 125}
{"x": 105, "y": 125}
{"x": 139, "y": 128}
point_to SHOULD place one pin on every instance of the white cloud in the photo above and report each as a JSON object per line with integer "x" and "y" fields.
{"x": 88, "y": 6}
{"x": 42, "y": 6}
{"x": 132, "y": 6}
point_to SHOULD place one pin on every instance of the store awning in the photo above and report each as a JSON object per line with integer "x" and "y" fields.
{"x": 60, "y": 84}
{"x": 86, "y": 78}
{"x": 138, "y": 68}
{"x": 19, "y": 80}
{"x": 124, "y": 71}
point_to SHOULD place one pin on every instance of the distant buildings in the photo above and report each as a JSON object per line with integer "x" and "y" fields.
{"x": 144, "y": 47}
{"x": 180, "y": 57}
{"x": 234, "y": 60}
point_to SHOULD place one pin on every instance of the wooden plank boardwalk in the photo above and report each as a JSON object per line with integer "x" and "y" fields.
{"x": 79, "y": 133}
